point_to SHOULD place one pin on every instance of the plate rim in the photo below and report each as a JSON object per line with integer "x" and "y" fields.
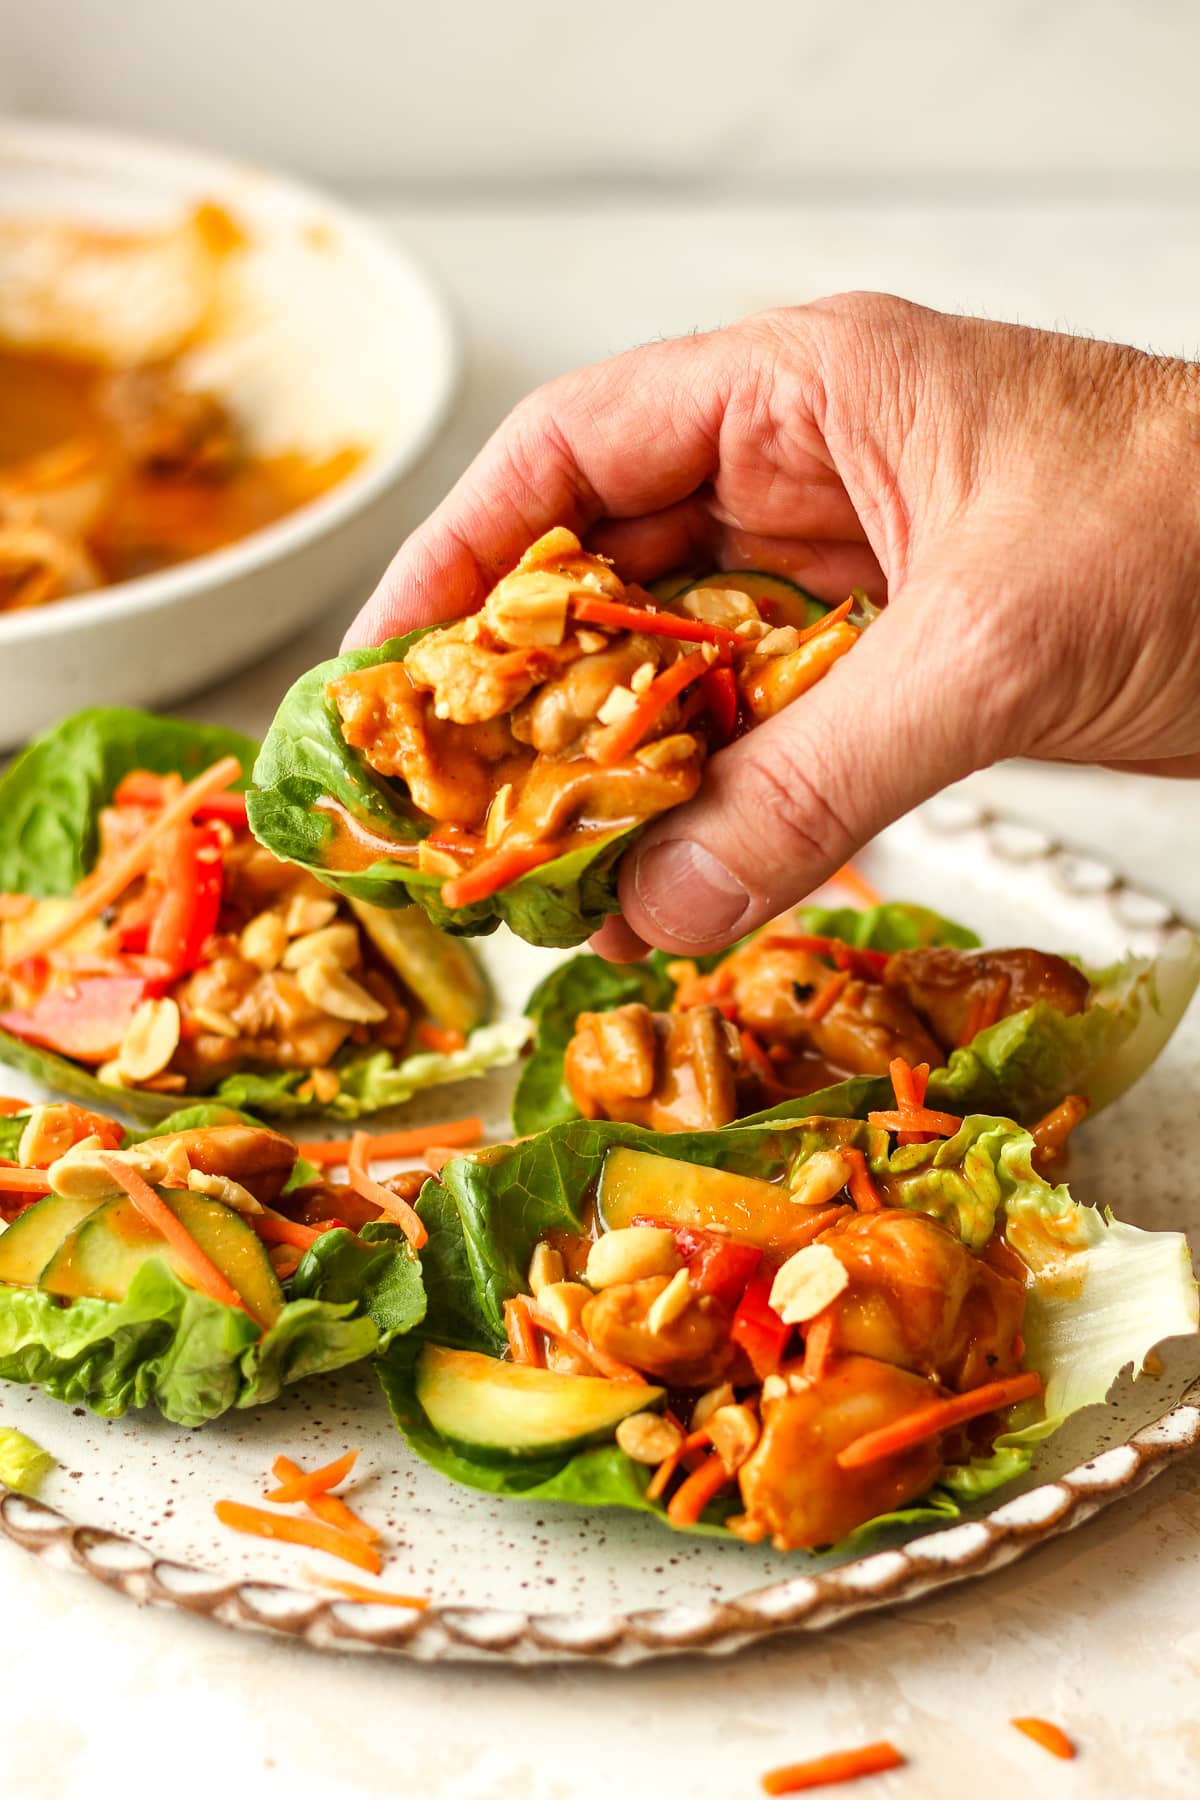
{"x": 812, "y": 1600}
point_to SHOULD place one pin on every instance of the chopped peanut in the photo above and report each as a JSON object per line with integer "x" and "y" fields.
{"x": 648, "y": 1437}
{"x": 632, "y": 1254}
{"x": 545, "y": 1268}
{"x": 264, "y": 940}
{"x": 151, "y": 1039}
{"x": 333, "y": 943}
{"x": 807, "y": 1283}
{"x": 674, "y": 1300}
{"x": 328, "y": 986}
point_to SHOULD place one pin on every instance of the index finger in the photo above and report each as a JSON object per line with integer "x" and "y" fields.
{"x": 620, "y": 439}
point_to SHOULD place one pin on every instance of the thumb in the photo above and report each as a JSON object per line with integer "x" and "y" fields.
{"x": 900, "y": 717}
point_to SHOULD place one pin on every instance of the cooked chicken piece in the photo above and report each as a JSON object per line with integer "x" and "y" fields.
{"x": 259, "y": 1159}
{"x": 945, "y": 985}
{"x": 554, "y": 718}
{"x": 670, "y": 1071}
{"x": 473, "y": 677}
{"x": 167, "y": 429}
{"x": 385, "y": 717}
{"x": 791, "y": 1484}
{"x": 868, "y": 1024}
{"x": 694, "y": 1349}
{"x": 918, "y": 1298}
{"x": 559, "y": 795}
{"x": 270, "y": 1021}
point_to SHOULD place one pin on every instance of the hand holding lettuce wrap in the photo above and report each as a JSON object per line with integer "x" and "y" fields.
{"x": 496, "y": 768}
{"x": 153, "y": 950}
{"x": 796, "y": 1329}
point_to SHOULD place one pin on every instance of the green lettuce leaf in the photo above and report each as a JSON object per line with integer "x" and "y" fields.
{"x": 50, "y": 804}
{"x": 24, "y": 1465}
{"x": 304, "y": 759}
{"x": 1101, "y": 1295}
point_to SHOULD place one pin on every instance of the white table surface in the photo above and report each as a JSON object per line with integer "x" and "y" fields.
{"x": 1099, "y": 1630}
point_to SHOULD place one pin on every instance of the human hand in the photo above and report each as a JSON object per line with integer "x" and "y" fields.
{"x": 1025, "y": 502}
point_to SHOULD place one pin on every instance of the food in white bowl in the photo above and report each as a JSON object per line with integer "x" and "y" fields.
{"x": 219, "y": 379}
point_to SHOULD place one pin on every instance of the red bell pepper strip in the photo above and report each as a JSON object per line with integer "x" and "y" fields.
{"x": 87, "y": 1020}
{"x": 141, "y": 788}
{"x": 193, "y": 877}
{"x": 758, "y": 1328}
{"x": 717, "y": 1265}
{"x": 718, "y": 689}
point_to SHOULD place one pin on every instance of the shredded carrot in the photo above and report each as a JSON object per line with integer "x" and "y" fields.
{"x": 441, "y": 1038}
{"x": 254, "y": 1521}
{"x": 437, "y": 1156}
{"x": 836, "y": 1766}
{"x": 273, "y": 1228}
{"x": 204, "y": 1272}
{"x": 660, "y": 1481}
{"x": 818, "y": 1345}
{"x": 863, "y": 1191}
{"x": 1050, "y": 1737}
{"x": 354, "y": 1590}
{"x": 862, "y": 889}
{"x": 522, "y": 1344}
{"x": 985, "y": 1009}
{"x": 9, "y": 1107}
{"x": 333, "y": 1511}
{"x": 617, "y": 617}
{"x": 936, "y": 1124}
{"x": 817, "y": 1226}
{"x": 15, "y": 1180}
{"x": 942, "y": 1415}
{"x": 391, "y": 1205}
{"x": 828, "y": 997}
{"x": 100, "y": 891}
{"x": 495, "y": 872}
{"x": 694, "y": 1494}
{"x": 908, "y": 1085}
{"x": 615, "y": 742}
{"x": 297, "y": 1486}
{"x": 832, "y": 618}
{"x": 757, "y": 1059}
{"x": 330, "y": 1151}
{"x": 583, "y": 1346}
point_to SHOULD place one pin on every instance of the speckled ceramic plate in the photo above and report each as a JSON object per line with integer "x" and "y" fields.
{"x": 132, "y": 1501}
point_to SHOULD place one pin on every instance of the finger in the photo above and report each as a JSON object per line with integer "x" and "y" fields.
{"x": 617, "y": 943}
{"x": 1169, "y": 768}
{"x": 907, "y": 712}
{"x": 631, "y": 436}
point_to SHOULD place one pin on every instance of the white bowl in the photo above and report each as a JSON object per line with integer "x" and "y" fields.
{"x": 350, "y": 344}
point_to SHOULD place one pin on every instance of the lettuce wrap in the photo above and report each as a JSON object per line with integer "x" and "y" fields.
{"x": 305, "y": 759}
{"x": 169, "y": 1346}
{"x": 1101, "y": 1294}
{"x": 1020, "y": 1067}
{"x": 50, "y": 804}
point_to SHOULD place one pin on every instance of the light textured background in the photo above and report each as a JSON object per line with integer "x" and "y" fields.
{"x": 562, "y": 172}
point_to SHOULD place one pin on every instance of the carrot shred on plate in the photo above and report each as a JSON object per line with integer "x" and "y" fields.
{"x": 204, "y": 1272}
{"x": 828, "y": 997}
{"x": 296, "y": 1485}
{"x": 863, "y": 1191}
{"x": 15, "y": 1180}
{"x": 617, "y": 741}
{"x": 1051, "y": 1737}
{"x": 693, "y": 1495}
{"x": 461, "y": 1133}
{"x": 522, "y": 1344}
{"x": 100, "y": 890}
{"x": 392, "y": 1205}
{"x": 836, "y": 1766}
{"x": 333, "y": 1510}
{"x": 355, "y": 1590}
{"x": 917, "y": 1118}
{"x": 583, "y": 1346}
{"x": 931, "y": 1421}
{"x": 255, "y": 1521}
{"x": 495, "y": 872}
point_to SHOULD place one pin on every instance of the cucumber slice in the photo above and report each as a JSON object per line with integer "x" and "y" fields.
{"x": 500, "y": 1412}
{"x": 636, "y": 1184}
{"x": 790, "y": 604}
{"x": 668, "y": 586}
{"x": 31, "y": 1240}
{"x": 440, "y": 970}
{"x": 102, "y": 1255}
